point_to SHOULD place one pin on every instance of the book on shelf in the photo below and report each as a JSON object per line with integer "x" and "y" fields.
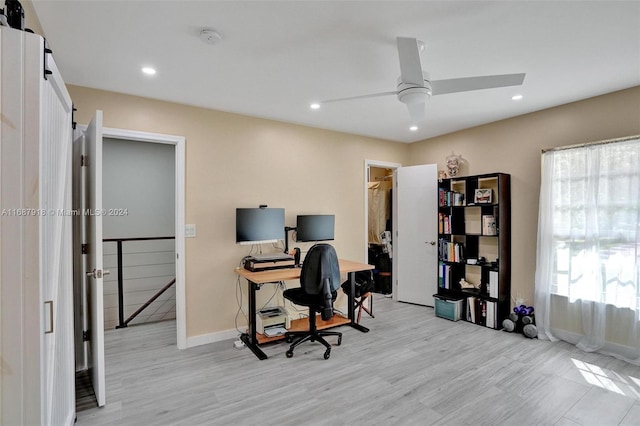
{"x": 489, "y": 225}
{"x": 491, "y": 314}
{"x": 450, "y": 198}
{"x": 450, "y": 252}
{"x": 482, "y": 312}
{"x": 492, "y": 286}
{"x": 471, "y": 309}
{"x": 483, "y": 307}
{"x": 444, "y": 275}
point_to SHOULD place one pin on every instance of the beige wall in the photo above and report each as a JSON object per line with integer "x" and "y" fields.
{"x": 31, "y": 20}
{"x": 238, "y": 161}
{"x": 513, "y": 146}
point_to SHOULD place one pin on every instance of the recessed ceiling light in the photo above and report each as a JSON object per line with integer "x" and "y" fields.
{"x": 148, "y": 70}
{"x": 516, "y": 97}
{"x": 413, "y": 128}
{"x": 314, "y": 105}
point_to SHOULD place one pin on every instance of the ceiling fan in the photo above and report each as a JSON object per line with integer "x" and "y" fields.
{"x": 415, "y": 86}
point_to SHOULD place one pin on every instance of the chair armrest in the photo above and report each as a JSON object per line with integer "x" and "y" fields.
{"x": 327, "y": 308}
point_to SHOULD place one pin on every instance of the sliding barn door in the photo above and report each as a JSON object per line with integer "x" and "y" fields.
{"x": 56, "y": 246}
{"x": 38, "y": 384}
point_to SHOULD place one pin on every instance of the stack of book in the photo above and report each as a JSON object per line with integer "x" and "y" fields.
{"x": 482, "y": 312}
{"x": 444, "y": 275}
{"x": 450, "y": 198}
{"x": 451, "y": 252}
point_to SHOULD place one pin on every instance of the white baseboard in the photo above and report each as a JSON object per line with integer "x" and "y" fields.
{"x": 205, "y": 339}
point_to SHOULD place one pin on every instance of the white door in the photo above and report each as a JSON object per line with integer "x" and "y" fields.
{"x": 55, "y": 253}
{"x": 94, "y": 285}
{"x": 79, "y": 193}
{"x": 415, "y": 248}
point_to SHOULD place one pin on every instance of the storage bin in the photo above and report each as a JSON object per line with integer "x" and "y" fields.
{"x": 448, "y": 308}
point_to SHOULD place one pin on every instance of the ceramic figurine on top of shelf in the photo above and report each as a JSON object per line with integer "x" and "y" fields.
{"x": 453, "y": 164}
{"x": 442, "y": 175}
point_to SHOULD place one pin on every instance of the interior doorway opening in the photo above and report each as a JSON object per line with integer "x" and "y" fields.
{"x": 172, "y": 251}
{"x": 379, "y": 184}
{"x": 139, "y": 237}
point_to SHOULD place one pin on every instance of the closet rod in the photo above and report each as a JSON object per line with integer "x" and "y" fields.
{"x": 581, "y": 145}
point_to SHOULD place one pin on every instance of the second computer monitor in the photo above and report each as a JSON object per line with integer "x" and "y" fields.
{"x": 315, "y": 227}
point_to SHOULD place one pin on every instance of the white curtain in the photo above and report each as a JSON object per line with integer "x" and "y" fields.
{"x": 587, "y": 271}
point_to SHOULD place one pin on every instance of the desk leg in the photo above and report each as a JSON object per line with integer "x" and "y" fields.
{"x": 352, "y": 302}
{"x": 250, "y": 339}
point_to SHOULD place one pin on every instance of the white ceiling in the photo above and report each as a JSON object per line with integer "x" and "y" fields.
{"x": 276, "y": 57}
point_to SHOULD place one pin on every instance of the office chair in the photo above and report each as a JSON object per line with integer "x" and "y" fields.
{"x": 364, "y": 286}
{"x": 319, "y": 282}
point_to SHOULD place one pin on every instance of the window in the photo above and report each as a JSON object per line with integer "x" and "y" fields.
{"x": 595, "y": 206}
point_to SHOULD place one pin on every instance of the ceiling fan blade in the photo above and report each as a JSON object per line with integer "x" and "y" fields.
{"x": 351, "y": 98}
{"x": 418, "y": 111}
{"x": 441, "y": 87}
{"x": 410, "y": 66}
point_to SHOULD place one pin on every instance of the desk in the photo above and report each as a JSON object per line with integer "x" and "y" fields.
{"x": 256, "y": 279}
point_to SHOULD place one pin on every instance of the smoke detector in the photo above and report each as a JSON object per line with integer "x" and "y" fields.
{"x": 210, "y": 36}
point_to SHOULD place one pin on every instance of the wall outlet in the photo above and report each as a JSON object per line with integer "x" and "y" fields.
{"x": 190, "y": 231}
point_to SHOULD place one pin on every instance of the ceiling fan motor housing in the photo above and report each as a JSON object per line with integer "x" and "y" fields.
{"x": 411, "y": 94}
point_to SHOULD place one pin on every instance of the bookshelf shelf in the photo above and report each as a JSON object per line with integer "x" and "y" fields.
{"x": 474, "y": 238}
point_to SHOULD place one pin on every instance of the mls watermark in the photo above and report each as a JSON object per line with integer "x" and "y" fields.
{"x": 65, "y": 212}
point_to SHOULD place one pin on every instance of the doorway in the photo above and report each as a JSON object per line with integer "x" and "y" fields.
{"x": 175, "y": 225}
{"x": 178, "y": 143}
{"x": 378, "y": 222}
{"x": 139, "y": 242}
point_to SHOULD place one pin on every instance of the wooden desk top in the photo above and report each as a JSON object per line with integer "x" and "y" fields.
{"x": 286, "y": 274}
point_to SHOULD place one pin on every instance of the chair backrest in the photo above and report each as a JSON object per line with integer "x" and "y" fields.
{"x": 321, "y": 275}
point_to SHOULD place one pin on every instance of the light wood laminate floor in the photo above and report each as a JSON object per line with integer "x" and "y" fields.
{"x": 411, "y": 369}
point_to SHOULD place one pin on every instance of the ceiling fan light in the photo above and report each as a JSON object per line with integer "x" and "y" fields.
{"x": 413, "y": 95}
{"x": 413, "y": 128}
{"x": 516, "y": 97}
{"x": 149, "y": 70}
{"x": 314, "y": 105}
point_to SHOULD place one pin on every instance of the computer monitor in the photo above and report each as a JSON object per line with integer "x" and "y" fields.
{"x": 315, "y": 227}
{"x": 259, "y": 225}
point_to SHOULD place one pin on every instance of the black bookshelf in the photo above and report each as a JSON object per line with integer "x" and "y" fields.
{"x": 474, "y": 240}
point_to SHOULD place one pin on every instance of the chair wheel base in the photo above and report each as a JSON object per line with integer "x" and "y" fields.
{"x": 327, "y": 354}
{"x": 289, "y": 354}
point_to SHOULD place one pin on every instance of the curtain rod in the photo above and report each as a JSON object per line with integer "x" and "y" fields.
{"x": 581, "y": 145}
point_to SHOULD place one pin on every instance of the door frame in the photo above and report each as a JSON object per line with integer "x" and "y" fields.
{"x": 179, "y": 143}
{"x": 368, "y": 164}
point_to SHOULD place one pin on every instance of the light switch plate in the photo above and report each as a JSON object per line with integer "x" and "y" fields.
{"x": 190, "y": 231}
